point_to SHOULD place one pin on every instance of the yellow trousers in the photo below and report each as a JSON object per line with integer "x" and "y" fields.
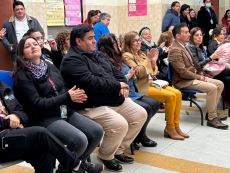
{"x": 172, "y": 99}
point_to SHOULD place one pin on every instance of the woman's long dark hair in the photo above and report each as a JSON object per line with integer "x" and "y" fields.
{"x": 225, "y": 15}
{"x": 105, "y": 44}
{"x": 20, "y": 63}
{"x": 91, "y": 13}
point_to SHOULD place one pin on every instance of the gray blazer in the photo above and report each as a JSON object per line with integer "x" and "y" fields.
{"x": 10, "y": 38}
{"x": 198, "y": 56}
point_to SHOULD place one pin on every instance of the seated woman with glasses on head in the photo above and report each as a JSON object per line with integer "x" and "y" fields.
{"x": 147, "y": 70}
{"x": 40, "y": 89}
{"x": 55, "y": 55}
{"x": 108, "y": 44}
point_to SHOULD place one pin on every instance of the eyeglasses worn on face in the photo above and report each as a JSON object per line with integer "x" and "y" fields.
{"x": 136, "y": 40}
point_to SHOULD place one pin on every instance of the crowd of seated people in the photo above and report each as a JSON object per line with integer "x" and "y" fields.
{"x": 91, "y": 81}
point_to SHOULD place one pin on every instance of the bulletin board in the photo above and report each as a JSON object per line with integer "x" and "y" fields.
{"x": 55, "y": 14}
{"x": 73, "y": 12}
{"x": 137, "y": 7}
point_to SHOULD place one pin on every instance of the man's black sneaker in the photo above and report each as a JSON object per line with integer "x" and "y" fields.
{"x": 122, "y": 158}
{"x": 111, "y": 165}
{"x": 90, "y": 167}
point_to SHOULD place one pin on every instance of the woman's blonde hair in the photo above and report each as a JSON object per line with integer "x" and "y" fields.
{"x": 165, "y": 37}
{"x": 60, "y": 40}
{"x": 127, "y": 42}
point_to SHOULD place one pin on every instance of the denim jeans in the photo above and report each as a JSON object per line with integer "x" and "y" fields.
{"x": 79, "y": 133}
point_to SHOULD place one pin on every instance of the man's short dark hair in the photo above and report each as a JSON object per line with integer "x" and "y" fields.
{"x": 30, "y": 32}
{"x": 177, "y": 29}
{"x": 204, "y": 1}
{"x": 174, "y": 4}
{"x": 17, "y": 3}
{"x": 79, "y": 32}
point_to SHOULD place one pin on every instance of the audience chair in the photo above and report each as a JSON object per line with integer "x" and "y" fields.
{"x": 5, "y": 77}
{"x": 8, "y": 164}
{"x": 188, "y": 94}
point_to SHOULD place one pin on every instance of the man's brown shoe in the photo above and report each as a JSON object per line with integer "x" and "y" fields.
{"x": 217, "y": 123}
{"x": 221, "y": 117}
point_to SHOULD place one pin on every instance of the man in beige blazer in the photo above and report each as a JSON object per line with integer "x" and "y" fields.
{"x": 187, "y": 74}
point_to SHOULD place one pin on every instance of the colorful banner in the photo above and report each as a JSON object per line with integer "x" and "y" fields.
{"x": 137, "y": 7}
{"x": 72, "y": 12}
{"x": 55, "y": 13}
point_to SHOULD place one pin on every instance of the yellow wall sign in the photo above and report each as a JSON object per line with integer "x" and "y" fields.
{"x": 55, "y": 15}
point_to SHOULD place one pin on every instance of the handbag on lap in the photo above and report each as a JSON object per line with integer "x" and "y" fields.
{"x": 213, "y": 68}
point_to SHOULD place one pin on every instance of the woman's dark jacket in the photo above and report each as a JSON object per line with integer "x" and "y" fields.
{"x": 184, "y": 19}
{"x": 12, "y": 106}
{"x": 38, "y": 97}
{"x": 194, "y": 22}
{"x": 96, "y": 75}
{"x": 198, "y": 55}
{"x": 160, "y": 63}
{"x": 54, "y": 56}
{"x": 212, "y": 47}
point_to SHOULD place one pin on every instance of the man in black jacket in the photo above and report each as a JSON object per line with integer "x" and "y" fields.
{"x": 36, "y": 145}
{"x": 206, "y": 20}
{"x": 106, "y": 88}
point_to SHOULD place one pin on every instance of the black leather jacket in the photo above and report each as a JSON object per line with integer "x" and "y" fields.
{"x": 198, "y": 56}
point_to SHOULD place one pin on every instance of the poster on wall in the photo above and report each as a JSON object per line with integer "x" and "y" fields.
{"x": 72, "y": 12}
{"x": 55, "y": 13}
{"x": 199, "y": 2}
{"x": 137, "y": 7}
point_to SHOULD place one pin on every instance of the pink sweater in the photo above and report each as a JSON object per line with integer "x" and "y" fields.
{"x": 226, "y": 57}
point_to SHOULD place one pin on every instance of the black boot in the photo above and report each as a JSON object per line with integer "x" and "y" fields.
{"x": 146, "y": 142}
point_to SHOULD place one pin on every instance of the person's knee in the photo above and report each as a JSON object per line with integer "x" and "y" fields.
{"x": 79, "y": 142}
{"x": 171, "y": 97}
{"x": 119, "y": 128}
{"x": 97, "y": 130}
{"x": 141, "y": 114}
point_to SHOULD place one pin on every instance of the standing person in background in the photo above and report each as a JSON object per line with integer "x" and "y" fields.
{"x": 102, "y": 26}
{"x": 172, "y": 15}
{"x": 92, "y": 18}
{"x": 63, "y": 41}
{"x": 226, "y": 19}
{"x": 212, "y": 7}
{"x": 192, "y": 14}
{"x": 98, "y": 15}
{"x": 206, "y": 20}
{"x": 17, "y": 25}
{"x": 185, "y": 17}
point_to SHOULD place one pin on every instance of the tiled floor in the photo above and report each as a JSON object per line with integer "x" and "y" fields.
{"x": 206, "y": 151}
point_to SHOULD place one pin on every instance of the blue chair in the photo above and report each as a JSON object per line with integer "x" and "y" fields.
{"x": 5, "y": 76}
{"x": 189, "y": 94}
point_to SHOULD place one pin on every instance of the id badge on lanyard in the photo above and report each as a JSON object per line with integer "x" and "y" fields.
{"x": 63, "y": 108}
{"x": 211, "y": 21}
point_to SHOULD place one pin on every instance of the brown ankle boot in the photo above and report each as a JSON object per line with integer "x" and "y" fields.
{"x": 171, "y": 133}
{"x": 178, "y": 130}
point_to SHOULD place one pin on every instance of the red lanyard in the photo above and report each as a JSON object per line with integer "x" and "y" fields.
{"x": 51, "y": 82}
